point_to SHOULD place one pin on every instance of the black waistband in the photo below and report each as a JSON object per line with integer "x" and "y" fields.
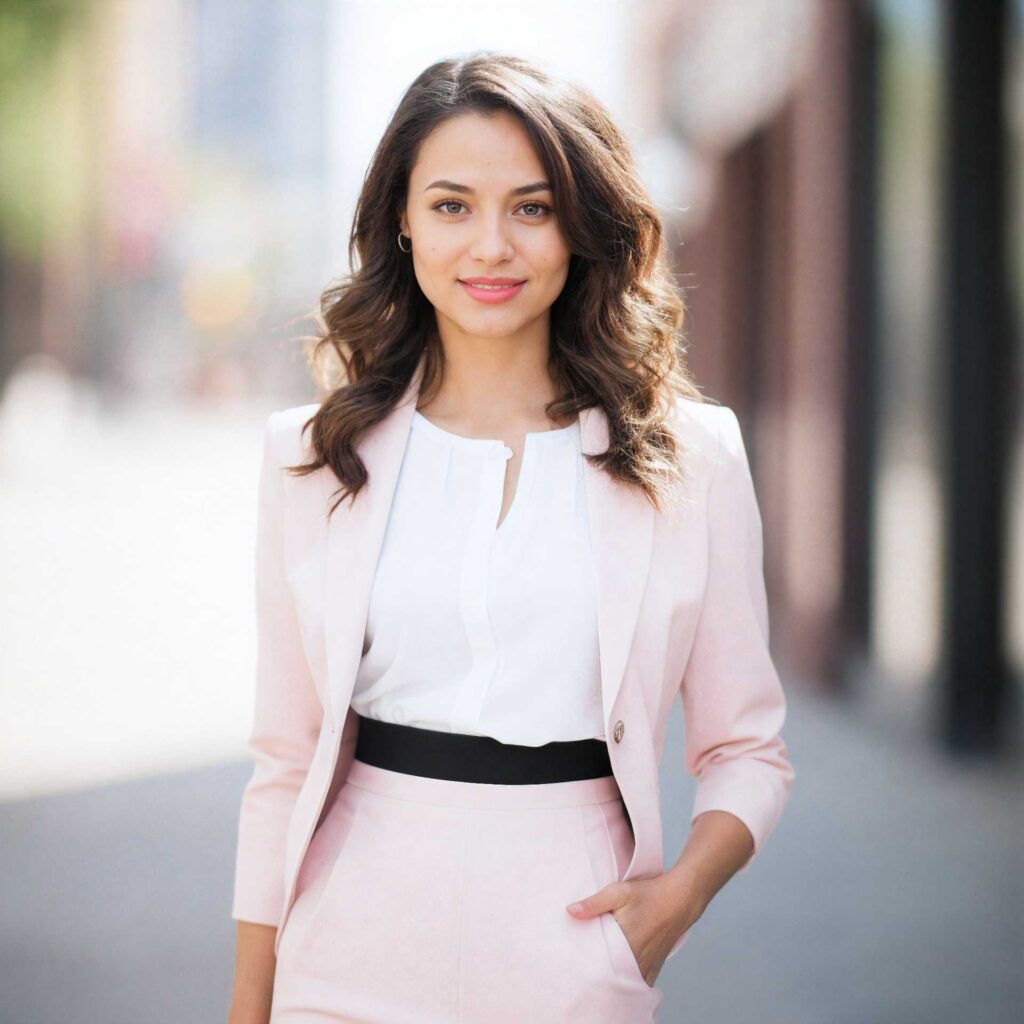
{"x": 460, "y": 757}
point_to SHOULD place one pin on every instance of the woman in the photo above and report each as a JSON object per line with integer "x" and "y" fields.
{"x": 468, "y": 649}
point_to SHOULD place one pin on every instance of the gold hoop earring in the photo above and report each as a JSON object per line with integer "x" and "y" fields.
{"x": 402, "y": 235}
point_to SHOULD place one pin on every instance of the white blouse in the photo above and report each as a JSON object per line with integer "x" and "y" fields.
{"x": 477, "y": 629}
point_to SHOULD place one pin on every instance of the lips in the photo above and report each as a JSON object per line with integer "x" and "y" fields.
{"x": 492, "y": 289}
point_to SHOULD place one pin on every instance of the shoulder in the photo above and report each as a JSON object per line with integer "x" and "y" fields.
{"x": 704, "y": 427}
{"x": 711, "y": 442}
{"x": 283, "y": 433}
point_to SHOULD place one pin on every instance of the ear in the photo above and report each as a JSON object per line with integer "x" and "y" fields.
{"x": 403, "y": 223}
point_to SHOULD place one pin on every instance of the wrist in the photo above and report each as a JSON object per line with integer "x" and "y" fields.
{"x": 685, "y": 893}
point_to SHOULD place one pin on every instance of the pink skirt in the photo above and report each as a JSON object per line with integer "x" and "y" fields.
{"x": 424, "y": 900}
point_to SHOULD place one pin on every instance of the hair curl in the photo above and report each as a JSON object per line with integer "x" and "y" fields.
{"x": 615, "y": 328}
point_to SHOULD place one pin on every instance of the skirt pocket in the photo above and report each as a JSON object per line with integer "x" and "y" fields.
{"x": 608, "y": 841}
{"x": 622, "y": 951}
{"x": 320, "y": 865}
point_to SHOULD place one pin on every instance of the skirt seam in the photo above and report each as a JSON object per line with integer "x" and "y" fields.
{"x": 460, "y": 889}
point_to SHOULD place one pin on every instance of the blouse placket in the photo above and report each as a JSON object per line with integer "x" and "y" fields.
{"x": 472, "y": 691}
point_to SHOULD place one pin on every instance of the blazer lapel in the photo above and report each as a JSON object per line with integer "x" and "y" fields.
{"x": 355, "y": 535}
{"x": 622, "y": 536}
{"x": 621, "y": 528}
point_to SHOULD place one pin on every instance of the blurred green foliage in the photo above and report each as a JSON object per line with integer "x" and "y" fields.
{"x": 39, "y": 148}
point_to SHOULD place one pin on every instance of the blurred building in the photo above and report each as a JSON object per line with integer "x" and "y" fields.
{"x": 163, "y": 208}
{"x": 850, "y": 255}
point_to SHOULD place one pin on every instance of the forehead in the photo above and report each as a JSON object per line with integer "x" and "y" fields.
{"x": 478, "y": 151}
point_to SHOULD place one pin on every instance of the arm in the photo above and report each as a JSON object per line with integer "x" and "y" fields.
{"x": 286, "y": 722}
{"x": 733, "y": 701}
{"x": 253, "y": 988}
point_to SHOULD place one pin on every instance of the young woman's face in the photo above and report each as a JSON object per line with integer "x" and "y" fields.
{"x": 480, "y": 211}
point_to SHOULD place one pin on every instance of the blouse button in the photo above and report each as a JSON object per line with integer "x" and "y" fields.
{"x": 619, "y": 730}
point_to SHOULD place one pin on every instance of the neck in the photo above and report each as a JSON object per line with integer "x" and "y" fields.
{"x": 493, "y": 383}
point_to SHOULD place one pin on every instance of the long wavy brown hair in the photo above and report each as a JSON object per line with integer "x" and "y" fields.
{"x": 615, "y": 329}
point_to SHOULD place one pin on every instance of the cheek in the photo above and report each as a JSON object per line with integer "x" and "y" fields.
{"x": 551, "y": 256}
{"x": 435, "y": 257}
{"x": 555, "y": 269}
{"x": 432, "y": 264}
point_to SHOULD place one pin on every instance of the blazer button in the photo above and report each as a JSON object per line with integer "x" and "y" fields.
{"x": 619, "y": 730}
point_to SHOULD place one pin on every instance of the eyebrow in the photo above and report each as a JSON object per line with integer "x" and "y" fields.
{"x": 451, "y": 186}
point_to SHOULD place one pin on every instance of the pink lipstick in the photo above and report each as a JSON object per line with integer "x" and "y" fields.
{"x": 492, "y": 289}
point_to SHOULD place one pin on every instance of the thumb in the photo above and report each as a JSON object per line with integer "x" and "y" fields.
{"x": 599, "y": 903}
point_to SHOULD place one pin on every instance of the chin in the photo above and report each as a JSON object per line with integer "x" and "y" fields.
{"x": 494, "y": 332}
{"x": 494, "y": 323}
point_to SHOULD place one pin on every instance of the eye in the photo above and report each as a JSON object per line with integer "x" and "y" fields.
{"x": 446, "y": 202}
{"x": 542, "y": 207}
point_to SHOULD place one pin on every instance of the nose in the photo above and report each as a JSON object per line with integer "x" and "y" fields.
{"x": 491, "y": 242}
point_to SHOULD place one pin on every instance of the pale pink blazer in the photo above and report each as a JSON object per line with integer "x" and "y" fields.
{"x": 681, "y": 609}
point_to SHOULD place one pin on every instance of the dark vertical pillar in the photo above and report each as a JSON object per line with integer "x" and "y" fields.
{"x": 861, "y": 385}
{"x": 973, "y": 286}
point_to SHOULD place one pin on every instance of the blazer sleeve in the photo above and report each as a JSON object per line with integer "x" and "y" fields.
{"x": 732, "y": 696}
{"x": 287, "y": 713}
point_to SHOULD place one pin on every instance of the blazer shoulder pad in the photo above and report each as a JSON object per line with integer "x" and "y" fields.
{"x": 698, "y": 424}
{"x": 284, "y": 427}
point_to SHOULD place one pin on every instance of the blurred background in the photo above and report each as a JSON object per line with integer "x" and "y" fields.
{"x": 840, "y": 181}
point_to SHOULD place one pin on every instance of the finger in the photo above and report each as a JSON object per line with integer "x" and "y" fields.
{"x": 599, "y": 903}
